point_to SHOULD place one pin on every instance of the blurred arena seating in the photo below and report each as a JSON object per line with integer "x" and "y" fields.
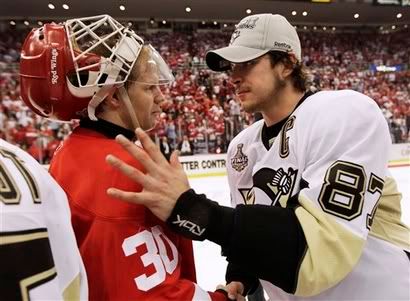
{"x": 201, "y": 104}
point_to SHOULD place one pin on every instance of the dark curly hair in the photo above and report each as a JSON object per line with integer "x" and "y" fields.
{"x": 299, "y": 77}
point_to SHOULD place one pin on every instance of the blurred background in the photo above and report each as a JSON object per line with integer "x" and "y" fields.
{"x": 347, "y": 44}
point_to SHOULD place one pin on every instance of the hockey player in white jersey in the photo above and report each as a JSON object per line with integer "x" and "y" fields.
{"x": 317, "y": 215}
{"x": 39, "y": 258}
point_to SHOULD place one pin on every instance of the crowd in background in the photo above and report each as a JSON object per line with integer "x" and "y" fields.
{"x": 201, "y": 113}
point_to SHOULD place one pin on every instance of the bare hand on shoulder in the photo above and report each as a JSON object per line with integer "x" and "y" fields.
{"x": 163, "y": 182}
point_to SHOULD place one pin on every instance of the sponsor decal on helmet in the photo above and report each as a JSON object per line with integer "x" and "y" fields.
{"x": 54, "y": 75}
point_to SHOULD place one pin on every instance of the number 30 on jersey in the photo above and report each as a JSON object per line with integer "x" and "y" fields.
{"x": 156, "y": 256}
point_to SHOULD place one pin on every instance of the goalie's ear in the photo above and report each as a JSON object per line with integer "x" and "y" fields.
{"x": 113, "y": 99}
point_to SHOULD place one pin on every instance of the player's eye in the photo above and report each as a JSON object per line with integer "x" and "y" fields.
{"x": 244, "y": 65}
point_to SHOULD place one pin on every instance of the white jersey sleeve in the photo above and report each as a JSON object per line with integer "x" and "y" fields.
{"x": 39, "y": 255}
{"x": 340, "y": 146}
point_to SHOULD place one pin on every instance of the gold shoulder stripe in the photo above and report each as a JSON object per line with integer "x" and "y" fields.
{"x": 11, "y": 239}
{"x": 332, "y": 250}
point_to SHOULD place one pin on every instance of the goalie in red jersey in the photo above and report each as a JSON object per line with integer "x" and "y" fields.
{"x": 96, "y": 70}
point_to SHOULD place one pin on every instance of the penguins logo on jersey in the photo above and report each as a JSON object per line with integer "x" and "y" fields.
{"x": 277, "y": 184}
{"x": 240, "y": 160}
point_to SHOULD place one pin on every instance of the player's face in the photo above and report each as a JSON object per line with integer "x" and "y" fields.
{"x": 146, "y": 99}
{"x": 257, "y": 84}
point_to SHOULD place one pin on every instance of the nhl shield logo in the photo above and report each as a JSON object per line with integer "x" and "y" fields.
{"x": 240, "y": 160}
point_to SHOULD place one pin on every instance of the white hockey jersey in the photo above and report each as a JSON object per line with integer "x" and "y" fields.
{"x": 332, "y": 152}
{"x": 38, "y": 251}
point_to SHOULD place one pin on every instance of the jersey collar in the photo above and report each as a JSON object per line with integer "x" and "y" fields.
{"x": 106, "y": 128}
{"x": 269, "y": 133}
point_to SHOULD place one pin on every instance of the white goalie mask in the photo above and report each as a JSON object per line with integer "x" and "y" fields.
{"x": 104, "y": 53}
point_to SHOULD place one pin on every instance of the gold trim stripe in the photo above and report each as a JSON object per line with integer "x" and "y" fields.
{"x": 25, "y": 283}
{"x": 5, "y": 240}
{"x": 72, "y": 291}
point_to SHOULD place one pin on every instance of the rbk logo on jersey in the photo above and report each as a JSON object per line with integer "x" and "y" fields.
{"x": 277, "y": 184}
{"x": 190, "y": 226}
{"x": 240, "y": 160}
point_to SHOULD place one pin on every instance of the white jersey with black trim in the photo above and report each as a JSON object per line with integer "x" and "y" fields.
{"x": 332, "y": 152}
{"x": 38, "y": 251}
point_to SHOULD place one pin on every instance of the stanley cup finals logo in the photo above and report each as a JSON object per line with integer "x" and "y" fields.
{"x": 240, "y": 160}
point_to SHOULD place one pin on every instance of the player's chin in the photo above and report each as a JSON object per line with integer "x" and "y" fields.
{"x": 248, "y": 107}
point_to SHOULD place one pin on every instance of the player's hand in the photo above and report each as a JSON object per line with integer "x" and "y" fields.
{"x": 234, "y": 290}
{"x": 163, "y": 183}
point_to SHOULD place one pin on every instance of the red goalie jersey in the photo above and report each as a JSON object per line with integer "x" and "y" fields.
{"x": 128, "y": 253}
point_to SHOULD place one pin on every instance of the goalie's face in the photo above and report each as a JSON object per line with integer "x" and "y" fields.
{"x": 146, "y": 101}
{"x": 146, "y": 97}
{"x": 137, "y": 102}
